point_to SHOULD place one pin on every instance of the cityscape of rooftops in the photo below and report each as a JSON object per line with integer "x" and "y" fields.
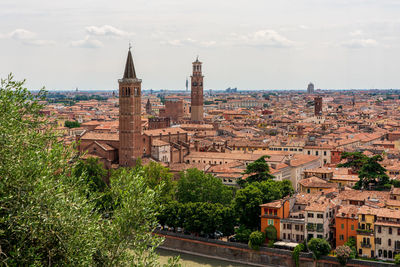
{"x": 200, "y": 133}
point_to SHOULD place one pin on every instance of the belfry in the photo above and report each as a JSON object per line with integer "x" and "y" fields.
{"x": 130, "y": 128}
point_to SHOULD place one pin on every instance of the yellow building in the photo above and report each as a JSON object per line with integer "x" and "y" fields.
{"x": 365, "y": 232}
{"x": 314, "y": 185}
{"x": 345, "y": 180}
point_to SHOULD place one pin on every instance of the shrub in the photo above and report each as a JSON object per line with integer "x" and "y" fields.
{"x": 256, "y": 239}
{"x": 242, "y": 234}
{"x": 296, "y": 253}
{"x": 397, "y": 259}
{"x": 270, "y": 232}
{"x": 319, "y": 247}
{"x": 271, "y": 244}
{"x": 343, "y": 254}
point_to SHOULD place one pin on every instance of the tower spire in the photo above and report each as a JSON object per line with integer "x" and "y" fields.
{"x": 129, "y": 66}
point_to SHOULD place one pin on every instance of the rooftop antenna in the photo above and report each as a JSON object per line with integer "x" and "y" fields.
{"x": 187, "y": 83}
{"x": 130, "y": 46}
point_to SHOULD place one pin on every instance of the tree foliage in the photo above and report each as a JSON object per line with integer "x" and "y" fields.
{"x": 48, "y": 212}
{"x": 319, "y": 247}
{"x": 296, "y": 253}
{"x": 72, "y": 124}
{"x": 343, "y": 254}
{"x": 198, "y": 217}
{"x": 271, "y": 233}
{"x": 258, "y": 171}
{"x": 256, "y": 239}
{"x": 196, "y": 186}
{"x": 369, "y": 170}
{"x": 248, "y": 200}
{"x": 397, "y": 259}
{"x": 242, "y": 234}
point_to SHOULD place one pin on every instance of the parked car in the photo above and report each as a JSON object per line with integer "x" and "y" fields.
{"x": 232, "y": 239}
{"x": 219, "y": 233}
{"x": 179, "y": 230}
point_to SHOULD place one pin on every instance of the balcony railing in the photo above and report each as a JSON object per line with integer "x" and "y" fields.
{"x": 365, "y": 245}
{"x": 365, "y": 231}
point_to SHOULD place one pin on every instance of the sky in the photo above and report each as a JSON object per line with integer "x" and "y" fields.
{"x": 248, "y": 44}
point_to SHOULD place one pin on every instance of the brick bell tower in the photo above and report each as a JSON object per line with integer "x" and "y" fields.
{"x": 130, "y": 128}
{"x": 197, "y": 92}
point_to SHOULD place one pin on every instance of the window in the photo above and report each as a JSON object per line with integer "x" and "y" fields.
{"x": 324, "y": 153}
{"x": 270, "y": 222}
{"x": 316, "y": 153}
{"x": 296, "y": 227}
{"x": 390, "y": 230}
{"x": 308, "y": 190}
{"x": 379, "y": 229}
{"x": 342, "y": 226}
{"x": 310, "y": 215}
{"x": 341, "y": 237}
{"x": 363, "y": 217}
{"x": 308, "y": 152}
{"x": 389, "y": 242}
{"x": 319, "y": 236}
{"x": 378, "y": 240}
{"x": 275, "y": 212}
{"x": 320, "y": 216}
{"x": 352, "y": 227}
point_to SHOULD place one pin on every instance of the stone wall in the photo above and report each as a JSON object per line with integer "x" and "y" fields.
{"x": 240, "y": 253}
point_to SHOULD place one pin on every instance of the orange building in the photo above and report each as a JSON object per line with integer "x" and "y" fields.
{"x": 272, "y": 213}
{"x": 346, "y": 224}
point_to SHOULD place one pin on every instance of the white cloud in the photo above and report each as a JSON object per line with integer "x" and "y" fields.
{"x": 356, "y": 33}
{"x": 189, "y": 42}
{"x": 87, "y": 43}
{"x": 27, "y": 38}
{"x": 360, "y": 43}
{"x": 106, "y": 30}
{"x": 267, "y": 38}
{"x": 22, "y": 34}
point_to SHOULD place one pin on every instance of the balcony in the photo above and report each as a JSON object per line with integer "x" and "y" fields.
{"x": 365, "y": 245}
{"x": 365, "y": 231}
{"x": 310, "y": 227}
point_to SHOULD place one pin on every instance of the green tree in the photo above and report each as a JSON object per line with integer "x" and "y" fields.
{"x": 296, "y": 253}
{"x": 343, "y": 254}
{"x": 271, "y": 233}
{"x": 47, "y": 213}
{"x": 369, "y": 170}
{"x": 248, "y": 200}
{"x": 352, "y": 243}
{"x": 319, "y": 247}
{"x": 373, "y": 173}
{"x": 256, "y": 239}
{"x": 242, "y": 234}
{"x": 157, "y": 175}
{"x": 258, "y": 171}
{"x": 397, "y": 259}
{"x": 72, "y": 124}
{"x": 94, "y": 176}
{"x": 196, "y": 186}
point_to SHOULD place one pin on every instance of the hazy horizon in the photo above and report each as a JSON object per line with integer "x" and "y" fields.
{"x": 257, "y": 45}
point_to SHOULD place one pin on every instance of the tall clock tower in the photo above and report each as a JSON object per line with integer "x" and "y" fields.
{"x": 197, "y": 92}
{"x": 130, "y": 128}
